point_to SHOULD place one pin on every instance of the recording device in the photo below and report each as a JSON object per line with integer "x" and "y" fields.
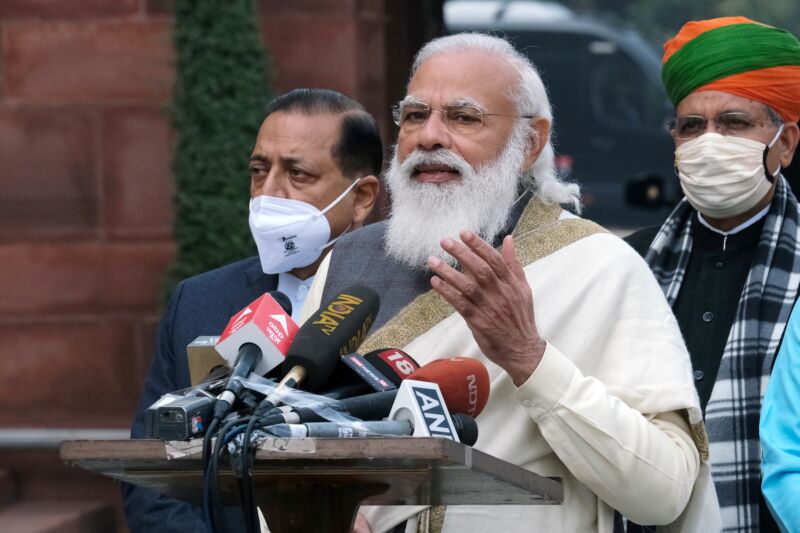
{"x": 451, "y": 376}
{"x": 465, "y": 426}
{"x": 338, "y": 327}
{"x": 467, "y": 388}
{"x": 259, "y": 336}
{"x": 183, "y": 417}
{"x": 267, "y": 323}
{"x": 185, "y": 414}
{"x": 203, "y": 357}
{"x": 379, "y": 370}
{"x": 422, "y": 405}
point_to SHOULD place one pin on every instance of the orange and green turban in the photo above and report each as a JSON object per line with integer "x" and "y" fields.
{"x": 738, "y": 56}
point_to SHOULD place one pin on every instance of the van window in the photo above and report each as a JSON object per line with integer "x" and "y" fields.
{"x": 621, "y": 95}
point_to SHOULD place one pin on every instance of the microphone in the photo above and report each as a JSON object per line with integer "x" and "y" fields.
{"x": 260, "y": 334}
{"x": 381, "y": 369}
{"x": 464, "y": 382}
{"x": 466, "y": 428}
{"x": 421, "y": 404}
{"x": 373, "y": 406}
{"x": 451, "y": 375}
{"x": 393, "y": 363}
{"x": 267, "y": 323}
{"x": 338, "y": 327}
{"x": 349, "y": 430}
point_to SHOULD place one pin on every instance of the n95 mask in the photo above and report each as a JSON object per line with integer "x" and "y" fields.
{"x": 289, "y": 233}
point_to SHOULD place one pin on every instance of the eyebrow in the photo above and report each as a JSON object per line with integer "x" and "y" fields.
{"x": 720, "y": 113}
{"x": 284, "y": 160}
{"x": 456, "y": 102}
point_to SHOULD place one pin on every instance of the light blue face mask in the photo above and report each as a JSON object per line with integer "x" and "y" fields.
{"x": 290, "y": 234}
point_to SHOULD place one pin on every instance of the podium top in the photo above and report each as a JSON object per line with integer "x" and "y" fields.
{"x": 414, "y": 471}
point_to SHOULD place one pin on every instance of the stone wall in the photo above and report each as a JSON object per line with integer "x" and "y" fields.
{"x": 85, "y": 203}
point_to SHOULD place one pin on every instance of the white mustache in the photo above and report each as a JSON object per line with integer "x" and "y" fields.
{"x": 435, "y": 157}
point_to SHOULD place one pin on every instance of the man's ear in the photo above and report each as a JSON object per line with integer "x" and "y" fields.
{"x": 788, "y": 142}
{"x": 366, "y": 194}
{"x": 539, "y": 134}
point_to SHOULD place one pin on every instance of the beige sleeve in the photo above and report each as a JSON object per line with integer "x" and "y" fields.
{"x": 606, "y": 444}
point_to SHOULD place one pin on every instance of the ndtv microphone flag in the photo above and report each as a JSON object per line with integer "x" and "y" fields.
{"x": 263, "y": 323}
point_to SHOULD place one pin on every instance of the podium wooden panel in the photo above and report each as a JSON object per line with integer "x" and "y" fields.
{"x": 316, "y": 485}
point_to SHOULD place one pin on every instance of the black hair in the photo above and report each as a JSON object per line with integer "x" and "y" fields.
{"x": 359, "y": 150}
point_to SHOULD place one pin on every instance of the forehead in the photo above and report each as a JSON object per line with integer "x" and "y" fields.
{"x": 710, "y": 103}
{"x": 298, "y": 134}
{"x": 477, "y": 76}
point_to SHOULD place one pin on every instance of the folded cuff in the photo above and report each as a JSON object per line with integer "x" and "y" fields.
{"x": 547, "y": 384}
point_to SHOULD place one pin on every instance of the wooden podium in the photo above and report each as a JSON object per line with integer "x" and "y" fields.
{"x": 316, "y": 485}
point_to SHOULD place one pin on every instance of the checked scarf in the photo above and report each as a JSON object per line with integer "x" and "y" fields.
{"x": 733, "y": 410}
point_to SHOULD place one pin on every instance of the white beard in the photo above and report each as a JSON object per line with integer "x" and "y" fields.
{"x": 425, "y": 213}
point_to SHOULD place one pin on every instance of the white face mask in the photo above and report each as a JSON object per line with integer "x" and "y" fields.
{"x": 724, "y": 176}
{"x": 290, "y": 234}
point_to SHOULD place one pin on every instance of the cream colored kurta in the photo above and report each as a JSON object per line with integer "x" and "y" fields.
{"x": 605, "y": 410}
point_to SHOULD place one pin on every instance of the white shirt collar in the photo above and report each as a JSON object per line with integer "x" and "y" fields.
{"x": 743, "y": 226}
{"x": 296, "y": 289}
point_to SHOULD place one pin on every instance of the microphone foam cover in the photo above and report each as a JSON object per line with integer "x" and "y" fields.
{"x": 464, "y": 383}
{"x": 282, "y": 300}
{"x": 466, "y": 427}
{"x": 337, "y": 328}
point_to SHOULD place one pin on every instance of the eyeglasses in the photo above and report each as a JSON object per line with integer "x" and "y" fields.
{"x": 732, "y": 123}
{"x": 459, "y": 118}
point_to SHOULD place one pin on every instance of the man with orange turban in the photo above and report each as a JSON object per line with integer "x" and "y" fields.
{"x": 728, "y": 256}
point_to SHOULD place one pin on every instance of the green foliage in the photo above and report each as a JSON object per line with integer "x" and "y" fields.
{"x": 220, "y": 96}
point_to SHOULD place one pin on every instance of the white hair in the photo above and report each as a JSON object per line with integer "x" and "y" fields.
{"x": 529, "y": 97}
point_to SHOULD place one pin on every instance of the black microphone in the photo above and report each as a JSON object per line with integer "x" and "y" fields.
{"x": 372, "y": 406}
{"x": 338, "y": 327}
{"x": 343, "y": 430}
{"x": 448, "y": 374}
{"x": 352, "y": 375}
{"x": 465, "y": 426}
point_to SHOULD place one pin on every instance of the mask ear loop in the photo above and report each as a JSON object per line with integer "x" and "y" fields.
{"x": 331, "y": 206}
{"x": 770, "y": 176}
{"x": 339, "y": 198}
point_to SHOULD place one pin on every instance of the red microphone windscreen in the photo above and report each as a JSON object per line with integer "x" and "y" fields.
{"x": 464, "y": 383}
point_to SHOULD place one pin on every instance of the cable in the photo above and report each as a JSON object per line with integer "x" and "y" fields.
{"x": 248, "y": 502}
{"x": 207, "y": 516}
{"x": 213, "y": 484}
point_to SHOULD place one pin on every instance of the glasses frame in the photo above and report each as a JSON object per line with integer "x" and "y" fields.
{"x": 755, "y": 123}
{"x": 397, "y": 109}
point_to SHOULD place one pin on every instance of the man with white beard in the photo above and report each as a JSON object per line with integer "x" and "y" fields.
{"x": 590, "y": 379}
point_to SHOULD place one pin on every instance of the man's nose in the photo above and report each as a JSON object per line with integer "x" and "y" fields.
{"x": 434, "y": 134}
{"x": 272, "y": 185}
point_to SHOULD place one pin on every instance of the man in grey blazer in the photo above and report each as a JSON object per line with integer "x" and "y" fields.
{"x": 313, "y": 177}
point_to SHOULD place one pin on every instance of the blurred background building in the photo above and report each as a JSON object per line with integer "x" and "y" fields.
{"x": 86, "y": 203}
